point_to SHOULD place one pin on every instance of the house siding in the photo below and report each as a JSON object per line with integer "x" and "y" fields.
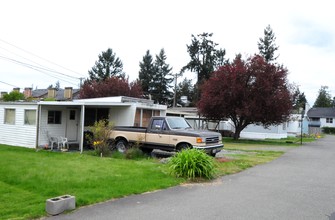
{"x": 18, "y": 134}
{"x": 55, "y": 130}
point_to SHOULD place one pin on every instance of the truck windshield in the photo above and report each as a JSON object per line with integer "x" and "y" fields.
{"x": 178, "y": 123}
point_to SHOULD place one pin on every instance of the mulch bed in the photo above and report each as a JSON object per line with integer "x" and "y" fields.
{"x": 223, "y": 159}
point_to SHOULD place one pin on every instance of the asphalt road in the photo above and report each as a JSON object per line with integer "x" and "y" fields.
{"x": 298, "y": 185}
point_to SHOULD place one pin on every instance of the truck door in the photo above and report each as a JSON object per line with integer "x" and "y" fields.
{"x": 158, "y": 134}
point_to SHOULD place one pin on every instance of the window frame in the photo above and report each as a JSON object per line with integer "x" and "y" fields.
{"x": 26, "y": 121}
{"x": 54, "y": 117}
{"x": 6, "y": 120}
{"x": 329, "y": 120}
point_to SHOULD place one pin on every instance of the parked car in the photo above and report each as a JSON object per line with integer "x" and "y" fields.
{"x": 166, "y": 133}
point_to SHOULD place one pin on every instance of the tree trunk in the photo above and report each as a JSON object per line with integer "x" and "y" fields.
{"x": 237, "y": 133}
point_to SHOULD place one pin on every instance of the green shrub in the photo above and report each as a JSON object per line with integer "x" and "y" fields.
{"x": 134, "y": 153}
{"x": 13, "y": 96}
{"x": 328, "y": 130}
{"x": 100, "y": 139}
{"x": 192, "y": 163}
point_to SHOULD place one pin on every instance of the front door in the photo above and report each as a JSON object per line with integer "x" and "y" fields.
{"x": 72, "y": 125}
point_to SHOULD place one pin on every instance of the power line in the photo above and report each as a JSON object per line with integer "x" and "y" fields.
{"x": 35, "y": 67}
{"x": 41, "y": 57}
{"x": 43, "y": 67}
{"x": 9, "y": 84}
{"x": 40, "y": 69}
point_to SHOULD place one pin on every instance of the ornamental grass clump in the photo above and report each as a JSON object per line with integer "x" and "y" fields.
{"x": 192, "y": 163}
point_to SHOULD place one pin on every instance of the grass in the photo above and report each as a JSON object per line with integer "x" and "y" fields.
{"x": 28, "y": 178}
{"x": 290, "y": 141}
{"x": 238, "y": 162}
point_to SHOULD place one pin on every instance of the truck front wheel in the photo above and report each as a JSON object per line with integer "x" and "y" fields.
{"x": 183, "y": 146}
{"x": 121, "y": 145}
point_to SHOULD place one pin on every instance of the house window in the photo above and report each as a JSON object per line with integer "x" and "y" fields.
{"x": 72, "y": 114}
{"x": 29, "y": 117}
{"x": 95, "y": 114}
{"x": 54, "y": 117}
{"x": 329, "y": 120}
{"x": 10, "y": 116}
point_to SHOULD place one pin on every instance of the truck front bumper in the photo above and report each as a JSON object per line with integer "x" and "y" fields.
{"x": 210, "y": 148}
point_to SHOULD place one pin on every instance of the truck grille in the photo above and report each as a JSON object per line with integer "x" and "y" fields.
{"x": 212, "y": 140}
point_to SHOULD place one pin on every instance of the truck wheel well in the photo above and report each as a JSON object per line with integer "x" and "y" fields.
{"x": 120, "y": 138}
{"x": 183, "y": 146}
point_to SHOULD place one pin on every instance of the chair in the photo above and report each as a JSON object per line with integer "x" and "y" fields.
{"x": 62, "y": 142}
{"x": 52, "y": 140}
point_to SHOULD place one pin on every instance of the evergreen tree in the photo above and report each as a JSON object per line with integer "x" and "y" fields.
{"x": 267, "y": 46}
{"x": 146, "y": 73}
{"x": 107, "y": 66}
{"x": 205, "y": 57}
{"x": 185, "y": 88}
{"x": 162, "y": 80}
{"x": 299, "y": 100}
{"x": 324, "y": 98}
{"x": 57, "y": 85}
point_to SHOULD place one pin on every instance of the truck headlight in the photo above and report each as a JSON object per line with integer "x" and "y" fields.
{"x": 200, "y": 140}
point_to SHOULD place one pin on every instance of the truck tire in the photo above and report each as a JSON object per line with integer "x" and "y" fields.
{"x": 212, "y": 154}
{"x": 121, "y": 145}
{"x": 183, "y": 146}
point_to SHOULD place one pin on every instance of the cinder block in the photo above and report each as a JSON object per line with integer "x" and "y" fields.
{"x": 57, "y": 205}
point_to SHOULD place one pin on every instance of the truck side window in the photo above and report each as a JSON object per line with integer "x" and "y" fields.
{"x": 157, "y": 124}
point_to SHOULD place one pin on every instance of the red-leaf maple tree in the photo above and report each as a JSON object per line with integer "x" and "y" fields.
{"x": 250, "y": 91}
{"x": 112, "y": 86}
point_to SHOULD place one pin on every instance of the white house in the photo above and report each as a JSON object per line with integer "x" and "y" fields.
{"x": 319, "y": 118}
{"x": 28, "y": 124}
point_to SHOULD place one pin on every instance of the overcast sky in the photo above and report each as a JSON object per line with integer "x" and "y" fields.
{"x": 66, "y": 36}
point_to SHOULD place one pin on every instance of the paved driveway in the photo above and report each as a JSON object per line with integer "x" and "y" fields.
{"x": 298, "y": 185}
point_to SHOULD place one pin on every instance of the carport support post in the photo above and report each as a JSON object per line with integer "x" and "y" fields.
{"x": 82, "y": 122}
{"x": 302, "y": 120}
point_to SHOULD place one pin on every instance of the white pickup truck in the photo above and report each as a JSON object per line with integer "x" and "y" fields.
{"x": 167, "y": 133}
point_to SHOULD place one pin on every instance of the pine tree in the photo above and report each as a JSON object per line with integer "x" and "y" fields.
{"x": 267, "y": 46}
{"x": 205, "y": 58}
{"x": 185, "y": 88}
{"x": 146, "y": 73}
{"x": 299, "y": 100}
{"x": 324, "y": 98}
{"x": 162, "y": 80}
{"x": 107, "y": 66}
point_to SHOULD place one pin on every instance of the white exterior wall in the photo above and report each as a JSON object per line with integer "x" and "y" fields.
{"x": 122, "y": 115}
{"x": 324, "y": 123}
{"x": 55, "y": 130}
{"x": 294, "y": 125}
{"x": 259, "y": 132}
{"x": 18, "y": 134}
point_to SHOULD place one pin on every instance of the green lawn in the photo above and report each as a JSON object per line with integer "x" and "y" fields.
{"x": 290, "y": 141}
{"x": 29, "y": 177}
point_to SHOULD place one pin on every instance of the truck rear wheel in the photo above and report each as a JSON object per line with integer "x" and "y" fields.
{"x": 122, "y": 145}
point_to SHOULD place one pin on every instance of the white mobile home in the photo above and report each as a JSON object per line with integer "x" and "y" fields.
{"x": 29, "y": 124}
